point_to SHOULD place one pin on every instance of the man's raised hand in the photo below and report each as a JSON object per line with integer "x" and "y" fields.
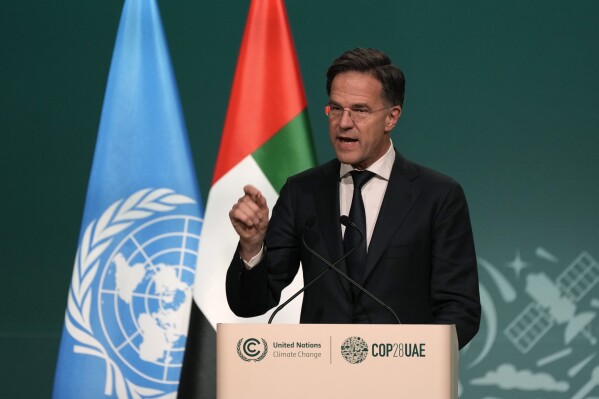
{"x": 249, "y": 217}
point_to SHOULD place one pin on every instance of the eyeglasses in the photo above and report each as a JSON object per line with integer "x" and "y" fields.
{"x": 356, "y": 115}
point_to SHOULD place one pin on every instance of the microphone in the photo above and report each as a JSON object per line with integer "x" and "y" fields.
{"x": 346, "y": 221}
{"x": 309, "y": 224}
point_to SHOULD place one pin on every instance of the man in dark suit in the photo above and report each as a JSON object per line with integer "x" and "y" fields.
{"x": 418, "y": 252}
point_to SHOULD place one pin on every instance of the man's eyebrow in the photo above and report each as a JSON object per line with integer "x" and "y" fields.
{"x": 353, "y": 106}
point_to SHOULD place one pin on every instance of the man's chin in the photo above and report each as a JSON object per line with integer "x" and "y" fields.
{"x": 353, "y": 161}
{"x": 345, "y": 159}
{"x": 345, "y": 155}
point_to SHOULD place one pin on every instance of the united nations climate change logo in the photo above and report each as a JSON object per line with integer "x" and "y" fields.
{"x": 138, "y": 268}
{"x": 354, "y": 350}
{"x": 252, "y": 349}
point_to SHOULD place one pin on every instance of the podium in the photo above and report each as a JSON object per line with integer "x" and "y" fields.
{"x": 287, "y": 361}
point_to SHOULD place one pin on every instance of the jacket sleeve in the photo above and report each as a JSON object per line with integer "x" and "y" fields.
{"x": 454, "y": 277}
{"x": 253, "y": 292}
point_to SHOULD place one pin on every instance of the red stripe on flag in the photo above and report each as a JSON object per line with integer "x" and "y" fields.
{"x": 267, "y": 88}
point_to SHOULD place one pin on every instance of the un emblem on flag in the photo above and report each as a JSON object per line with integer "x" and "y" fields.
{"x": 145, "y": 296}
{"x": 131, "y": 291}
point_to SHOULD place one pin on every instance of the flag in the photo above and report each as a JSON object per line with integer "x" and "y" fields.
{"x": 128, "y": 305}
{"x": 266, "y": 138}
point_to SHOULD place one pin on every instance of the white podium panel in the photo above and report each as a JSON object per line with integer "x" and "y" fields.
{"x": 336, "y": 361}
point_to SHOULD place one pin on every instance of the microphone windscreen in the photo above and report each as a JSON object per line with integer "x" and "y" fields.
{"x": 344, "y": 219}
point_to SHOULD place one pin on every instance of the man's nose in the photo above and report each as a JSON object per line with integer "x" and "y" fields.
{"x": 346, "y": 120}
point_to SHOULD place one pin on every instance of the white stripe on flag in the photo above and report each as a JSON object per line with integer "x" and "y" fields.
{"x": 218, "y": 243}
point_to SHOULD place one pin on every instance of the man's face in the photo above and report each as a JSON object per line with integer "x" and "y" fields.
{"x": 360, "y": 142}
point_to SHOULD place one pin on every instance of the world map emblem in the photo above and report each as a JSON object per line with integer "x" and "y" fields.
{"x": 145, "y": 290}
{"x": 135, "y": 267}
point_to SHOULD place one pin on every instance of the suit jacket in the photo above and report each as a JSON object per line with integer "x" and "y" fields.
{"x": 421, "y": 259}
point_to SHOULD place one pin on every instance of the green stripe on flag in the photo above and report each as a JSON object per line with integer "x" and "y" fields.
{"x": 288, "y": 152}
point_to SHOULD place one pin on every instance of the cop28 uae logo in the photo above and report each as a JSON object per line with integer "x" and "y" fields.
{"x": 354, "y": 350}
{"x": 252, "y": 349}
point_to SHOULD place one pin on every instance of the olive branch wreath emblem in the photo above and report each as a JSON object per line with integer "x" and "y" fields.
{"x": 98, "y": 236}
{"x": 247, "y": 359}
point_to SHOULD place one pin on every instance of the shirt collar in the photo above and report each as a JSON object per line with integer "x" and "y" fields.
{"x": 382, "y": 167}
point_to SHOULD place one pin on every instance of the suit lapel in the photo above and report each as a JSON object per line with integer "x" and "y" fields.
{"x": 399, "y": 198}
{"x": 327, "y": 208}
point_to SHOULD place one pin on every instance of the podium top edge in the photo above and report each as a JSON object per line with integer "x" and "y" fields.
{"x": 321, "y": 325}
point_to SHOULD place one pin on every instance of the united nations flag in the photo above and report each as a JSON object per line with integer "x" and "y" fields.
{"x": 129, "y": 301}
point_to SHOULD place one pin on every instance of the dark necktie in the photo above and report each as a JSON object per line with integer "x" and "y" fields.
{"x": 356, "y": 262}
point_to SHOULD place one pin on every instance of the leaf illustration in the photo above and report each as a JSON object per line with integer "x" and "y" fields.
{"x": 86, "y": 241}
{"x": 140, "y": 392}
{"x": 87, "y": 302}
{"x": 95, "y": 253}
{"x": 88, "y": 279}
{"x": 80, "y": 335}
{"x": 112, "y": 230}
{"x": 76, "y": 275}
{"x": 88, "y": 351}
{"x": 130, "y": 204}
{"x": 157, "y": 207}
{"x": 136, "y": 214}
{"x": 177, "y": 199}
{"x": 73, "y": 310}
{"x": 154, "y": 195}
{"x": 103, "y": 222}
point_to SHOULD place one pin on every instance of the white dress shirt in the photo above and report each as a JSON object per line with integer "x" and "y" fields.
{"x": 373, "y": 191}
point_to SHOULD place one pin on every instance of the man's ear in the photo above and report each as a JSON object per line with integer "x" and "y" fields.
{"x": 392, "y": 118}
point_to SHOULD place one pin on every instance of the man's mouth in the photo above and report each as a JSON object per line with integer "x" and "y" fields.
{"x": 347, "y": 139}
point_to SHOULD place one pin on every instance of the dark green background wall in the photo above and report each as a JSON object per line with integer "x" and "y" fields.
{"x": 501, "y": 95}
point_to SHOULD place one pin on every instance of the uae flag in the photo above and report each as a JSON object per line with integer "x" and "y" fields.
{"x": 266, "y": 138}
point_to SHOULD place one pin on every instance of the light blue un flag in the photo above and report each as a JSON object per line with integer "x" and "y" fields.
{"x": 129, "y": 302}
